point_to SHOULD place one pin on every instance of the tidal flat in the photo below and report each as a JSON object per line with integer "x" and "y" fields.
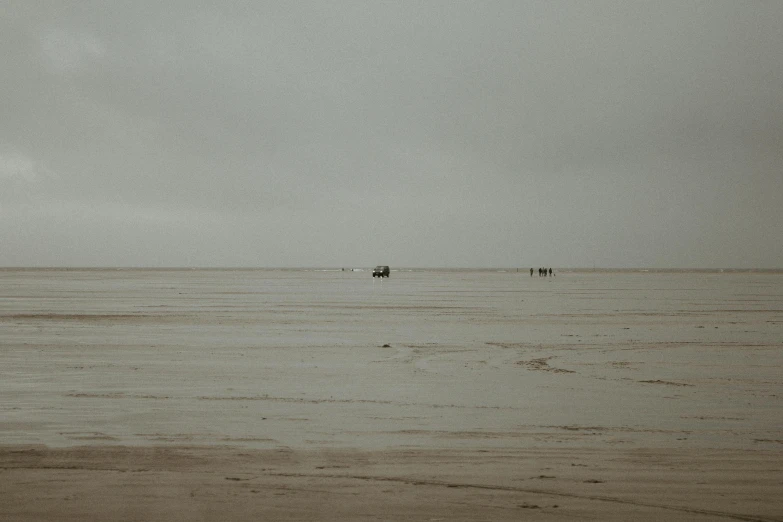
{"x": 176, "y": 394}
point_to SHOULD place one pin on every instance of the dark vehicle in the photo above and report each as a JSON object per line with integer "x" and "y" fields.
{"x": 380, "y": 271}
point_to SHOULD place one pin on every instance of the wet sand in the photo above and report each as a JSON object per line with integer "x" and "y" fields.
{"x": 454, "y": 395}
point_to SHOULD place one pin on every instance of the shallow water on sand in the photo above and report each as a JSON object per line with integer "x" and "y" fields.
{"x": 295, "y": 358}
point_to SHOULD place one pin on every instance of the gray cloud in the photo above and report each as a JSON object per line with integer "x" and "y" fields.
{"x": 409, "y": 133}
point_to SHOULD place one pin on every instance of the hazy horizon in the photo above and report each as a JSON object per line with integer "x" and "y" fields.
{"x": 351, "y": 268}
{"x": 412, "y": 133}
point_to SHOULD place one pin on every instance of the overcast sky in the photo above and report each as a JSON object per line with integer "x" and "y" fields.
{"x": 410, "y": 133}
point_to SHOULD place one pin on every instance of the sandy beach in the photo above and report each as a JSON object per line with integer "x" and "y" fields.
{"x": 432, "y": 395}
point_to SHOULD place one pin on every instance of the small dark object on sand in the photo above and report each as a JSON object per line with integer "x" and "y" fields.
{"x": 381, "y": 271}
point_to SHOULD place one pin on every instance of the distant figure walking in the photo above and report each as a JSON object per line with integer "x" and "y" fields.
{"x": 531, "y": 272}
{"x": 550, "y": 272}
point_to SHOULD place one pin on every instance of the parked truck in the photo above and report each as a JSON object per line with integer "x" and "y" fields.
{"x": 380, "y": 271}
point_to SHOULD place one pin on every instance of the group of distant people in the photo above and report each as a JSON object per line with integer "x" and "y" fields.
{"x": 542, "y": 272}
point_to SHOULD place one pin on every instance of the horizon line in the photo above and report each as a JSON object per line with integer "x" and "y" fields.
{"x": 369, "y": 267}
